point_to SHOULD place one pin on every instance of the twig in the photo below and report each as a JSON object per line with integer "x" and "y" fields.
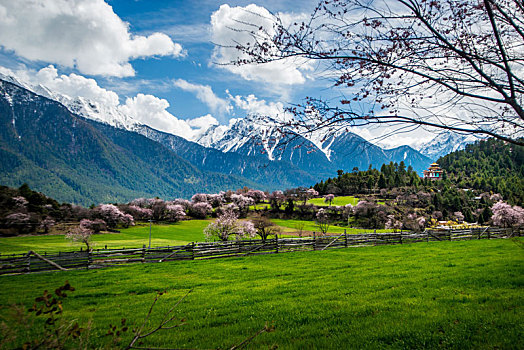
{"x": 162, "y": 325}
{"x": 246, "y": 341}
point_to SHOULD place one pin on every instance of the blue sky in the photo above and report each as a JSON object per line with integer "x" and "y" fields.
{"x": 157, "y": 56}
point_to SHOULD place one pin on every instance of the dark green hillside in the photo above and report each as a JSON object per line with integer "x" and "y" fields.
{"x": 489, "y": 165}
{"x": 68, "y": 158}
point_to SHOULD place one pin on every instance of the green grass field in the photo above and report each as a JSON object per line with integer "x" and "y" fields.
{"x": 162, "y": 235}
{"x": 338, "y": 201}
{"x": 455, "y": 295}
{"x": 290, "y": 227}
{"x": 180, "y": 233}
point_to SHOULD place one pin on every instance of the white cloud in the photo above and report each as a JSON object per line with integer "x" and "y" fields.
{"x": 152, "y": 111}
{"x": 145, "y": 109}
{"x": 84, "y": 34}
{"x": 74, "y": 85}
{"x": 253, "y": 106}
{"x": 205, "y": 94}
{"x": 244, "y": 20}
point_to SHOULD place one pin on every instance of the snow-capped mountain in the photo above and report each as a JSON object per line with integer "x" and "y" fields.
{"x": 79, "y": 105}
{"x": 256, "y": 168}
{"x": 317, "y": 153}
{"x": 446, "y": 142}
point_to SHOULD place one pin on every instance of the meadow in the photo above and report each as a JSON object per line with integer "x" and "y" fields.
{"x": 179, "y": 233}
{"x": 456, "y": 295}
{"x": 337, "y": 201}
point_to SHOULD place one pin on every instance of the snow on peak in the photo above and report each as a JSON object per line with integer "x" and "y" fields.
{"x": 444, "y": 143}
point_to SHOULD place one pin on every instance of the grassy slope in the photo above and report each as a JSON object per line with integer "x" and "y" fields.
{"x": 456, "y": 295}
{"x": 162, "y": 235}
{"x": 289, "y": 226}
{"x": 183, "y": 232}
{"x": 338, "y": 201}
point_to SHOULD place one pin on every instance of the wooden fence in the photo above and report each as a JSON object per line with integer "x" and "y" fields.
{"x": 34, "y": 262}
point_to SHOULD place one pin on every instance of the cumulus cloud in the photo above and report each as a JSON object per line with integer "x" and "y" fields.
{"x": 84, "y": 34}
{"x": 253, "y": 106}
{"x": 244, "y": 20}
{"x": 205, "y": 94}
{"x": 145, "y": 109}
{"x": 152, "y": 111}
{"x": 74, "y": 85}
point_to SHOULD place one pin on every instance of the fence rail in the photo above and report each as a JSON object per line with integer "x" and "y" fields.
{"x": 34, "y": 262}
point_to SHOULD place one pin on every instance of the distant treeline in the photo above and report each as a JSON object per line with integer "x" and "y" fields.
{"x": 486, "y": 166}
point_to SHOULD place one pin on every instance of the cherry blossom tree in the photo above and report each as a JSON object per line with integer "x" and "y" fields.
{"x": 323, "y": 220}
{"x": 199, "y": 197}
{"x": 47, "y": 223}
{"x": 80, "y": 234}
{"x": 215, "y": 199}
{"x": 19, "y": 222}
{"x": 392, "y": 223}
{"x": 242, "y": 202}
{"x": 200, "y": 210}
{"x": 175, "y": 212}
{"x": 506, "y": 216}
{"x": 113, "y": 216}
{"x": 139, "y": 213}
{"x": 257, "y": 195}
{"x": 19, "y": 202}
{"x": 454, "y": 65}
{"x": 328, "y": 198}
{"x": 414, "y": 222}
{"x": 226, "y": 225}
{"x": 95, "y": 226}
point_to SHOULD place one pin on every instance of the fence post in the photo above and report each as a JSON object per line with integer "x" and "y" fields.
{"x": 192, "y": 250}
{"x": 400, "y": 237}
{"x": 449, "y": 231}
{"x": 143, "y": 253}
{"x": 29, "y": 263}
{"x": 427, "y": 235}
{"x": 489, "y": 237}
{"x": 276, "y": 242}
{"x": 314, "y": 240}
{"x": 346, "y": 238}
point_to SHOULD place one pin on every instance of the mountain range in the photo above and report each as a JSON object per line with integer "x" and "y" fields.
{"x": 98, "y": 154}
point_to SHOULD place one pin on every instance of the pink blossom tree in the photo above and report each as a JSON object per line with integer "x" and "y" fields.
{"x": 139, "y": 213}
{"x": 414, "y": 222}
{"x": 47, "y": 223}
{"x": 199, "y": 197}
{"x": 257, "y": 195}
{"x": 392, "y": 223}
{"x": 80, "y": 234}
{"x": 506, "y": 216}
{"x": 226, "y": 225}
{"x": 323, "y": 221}
{"x": 95, "y": 226}
{"x": 215, "y": 200}
{"x": 19, "y": 222}
{"x": 242, "y": 202}
{"x": 200, "y": 210}
{"x": 113, "y": 216}
{"x": 175, "y": 212}
{"x": 182, "y": 202}
{"x": 309, "y": 193}
{"x": 328, "y": 198}
{"x": 19, "y": 202}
